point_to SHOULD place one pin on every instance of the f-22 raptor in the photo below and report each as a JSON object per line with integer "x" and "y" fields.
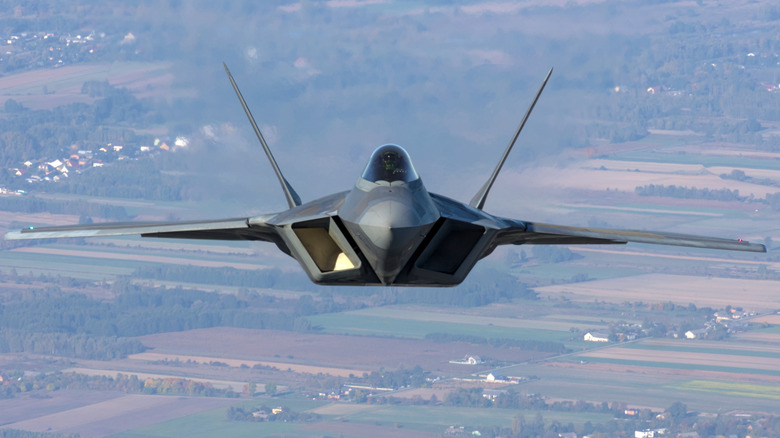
{"x": 388, "y": 229}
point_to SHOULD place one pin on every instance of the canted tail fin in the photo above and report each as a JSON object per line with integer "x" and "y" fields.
{"x": 478, "y": 201}
{"x": 293, "y": 200}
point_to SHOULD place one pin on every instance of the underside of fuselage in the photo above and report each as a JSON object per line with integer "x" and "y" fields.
{"x": 335, "y": 251}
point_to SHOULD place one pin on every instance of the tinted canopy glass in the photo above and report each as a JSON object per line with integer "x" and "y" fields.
{"x": 390, "y": 163}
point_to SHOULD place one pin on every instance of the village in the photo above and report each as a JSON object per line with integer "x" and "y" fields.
{"x": 49, "y": 49}
{"x": 46, "y": 170}
{"x": 721, "y": 324}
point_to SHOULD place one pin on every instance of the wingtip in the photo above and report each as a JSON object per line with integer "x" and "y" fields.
{"x": 13, "y": 235}
{"x": 754, "y": 247}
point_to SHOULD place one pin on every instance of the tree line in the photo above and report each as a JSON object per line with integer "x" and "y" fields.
{"x": 140, "y": 310}
{"x": 264, "y": 413}
{"x": 80, "y": 346}
{"x": 56, "y": 381}
{"x": 674, "y": 191}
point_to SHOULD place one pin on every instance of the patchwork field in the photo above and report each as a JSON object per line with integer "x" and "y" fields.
{"x": 94, "y": 414}
{"x": 755, "y": 295}
{"x": 768, "y": 336}
{"x": 63, "y": 85}
{"x": 639, "y": 385}
{"x": 709, "y": 376}
{"x": 731, "y": 361}
{"x": 625, "y": 176}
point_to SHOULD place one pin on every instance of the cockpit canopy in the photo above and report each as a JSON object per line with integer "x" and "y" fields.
{"x": 390, "y": 163}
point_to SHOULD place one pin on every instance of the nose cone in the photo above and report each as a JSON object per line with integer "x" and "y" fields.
{"x": 388, "y": 224}
{"x": 388, "y": 233}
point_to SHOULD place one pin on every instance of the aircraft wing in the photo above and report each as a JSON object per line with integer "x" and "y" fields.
{"x": 254, "y": 228}
{"x": 546, "y": 234}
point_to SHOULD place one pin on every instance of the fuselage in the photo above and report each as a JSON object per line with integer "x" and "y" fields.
{"x": 387, "y": 230}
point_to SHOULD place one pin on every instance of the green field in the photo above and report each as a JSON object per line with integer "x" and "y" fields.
{"x": 692, "y": 348}
{"x": 770, "y": 329}
{"x": 210, "y": 424}
{"x": 556, "y": 271}
{"x": 374, "y": 324}
{"x": 99, "y": 267}
{"x": 679, "y": 366}
{"x": 75, "y": 267}
{"x": 654, "y": 156}
{"x": 731, "y": 388}
{"x": 433, "y": 419}
{"x": 423, "y": 417}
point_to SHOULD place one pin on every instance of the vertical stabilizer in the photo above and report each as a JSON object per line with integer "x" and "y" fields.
{"x": 478, "y": 201}
{"x": 293, "y": 200}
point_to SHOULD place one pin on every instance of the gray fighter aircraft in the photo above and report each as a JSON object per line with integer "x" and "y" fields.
{"x": 387, "y": 230}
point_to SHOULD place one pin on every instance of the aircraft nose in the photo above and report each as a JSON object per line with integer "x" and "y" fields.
{"x": 387, "y": 223}
{"x": 392, "y": 227}
{"x": 388, "y": 233}
{"x": 391, "y": 240}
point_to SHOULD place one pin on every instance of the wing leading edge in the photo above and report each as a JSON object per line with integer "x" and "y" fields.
{"x": 546, "y": 234}
{"x": 254, "y": 228}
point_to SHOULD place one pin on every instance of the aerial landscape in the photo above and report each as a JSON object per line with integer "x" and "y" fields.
{"x": 660, "y": 116}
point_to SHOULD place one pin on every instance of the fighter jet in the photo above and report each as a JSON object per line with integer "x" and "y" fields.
{"x": 388, "y": 229}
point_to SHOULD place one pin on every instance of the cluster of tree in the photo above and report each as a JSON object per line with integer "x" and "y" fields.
{"x": 674, "y": 191}
{"x": 553, "y": 254}
{"x": 139, "y": 310}
{"x": 264, "y": 413}
{"x": 400, "y": 378}
{"x": 32, "y": 135}
{"x": 171, "y": 386}
{"x": 80, "y": 346}
{"x": 134, "y": 179}
{"x": 525, "y": 344}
